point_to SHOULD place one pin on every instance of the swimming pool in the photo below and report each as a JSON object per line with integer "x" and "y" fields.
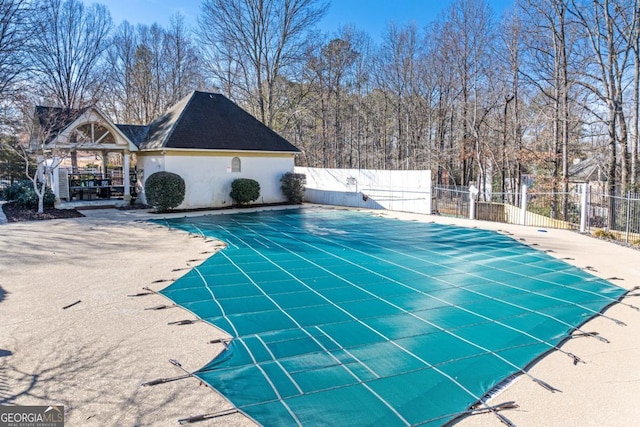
{"x": 345, "y": 318}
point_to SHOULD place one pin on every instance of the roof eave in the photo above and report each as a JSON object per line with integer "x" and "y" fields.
{"x": 210, "y": 150}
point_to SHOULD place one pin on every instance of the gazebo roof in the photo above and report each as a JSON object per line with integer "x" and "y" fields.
{"x": 137, "y": 134}
{"x": 53, "y": 120}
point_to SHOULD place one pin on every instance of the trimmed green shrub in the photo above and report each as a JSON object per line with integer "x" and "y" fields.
{"x": 244, "y": 190}
{"x": 164, "y": 190}
{"x": 24, "y": 195}
{"x": 12, "y": 191}
{"x": 292, "y": 185}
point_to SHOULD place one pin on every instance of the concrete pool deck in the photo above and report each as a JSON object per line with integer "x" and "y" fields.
{"x": 93, "y": 356}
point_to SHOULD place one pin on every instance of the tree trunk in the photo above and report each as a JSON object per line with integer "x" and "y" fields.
{"x": 624, "y": 149}
{"x": 633, "y": 179}
{"x": 611, "y": 174}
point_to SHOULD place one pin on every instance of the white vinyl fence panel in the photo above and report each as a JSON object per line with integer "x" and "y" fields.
{"x": 397, "y": 190}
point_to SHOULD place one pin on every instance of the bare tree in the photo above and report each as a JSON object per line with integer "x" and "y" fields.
{"x": 66, "y": 50}
{"x": 607, "y": 27}
{"x": 183, "y": 61}
{"x": 14, "y": 32}
{"x": 550, "y": 66}
{"x": 259, "y": 42}
{"x": 634, "y": 43}
{"x": 362, "y": 85}
{"x": 397, "y": 77}
{"x": 511, "y": 129}
{"x": 30, "y": 143}
{"x": 150, "y": 68}
{"x": 445, "y": 91}
{"x": 120, "y": 60}
{"x": 148, "y": 74}
{"x": 331, "y": 67}
{"x": 465, "y": 39}
{"x": 136, "y": 73}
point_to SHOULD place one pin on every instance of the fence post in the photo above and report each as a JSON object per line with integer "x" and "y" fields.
{"x": 472, "y": 207}
{"x": 523, "y": 205}
{"x": 628, "y": 214}
{"x": 473, "y": 192}
{"x": 583, "y": 208}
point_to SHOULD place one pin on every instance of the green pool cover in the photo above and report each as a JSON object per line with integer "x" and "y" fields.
{"x": 344, "y": 318}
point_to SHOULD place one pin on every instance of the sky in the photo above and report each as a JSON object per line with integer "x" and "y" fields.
{"x": 371, "y": 16}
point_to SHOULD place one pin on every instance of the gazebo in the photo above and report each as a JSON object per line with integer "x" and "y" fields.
{"x": 69, "y": 133}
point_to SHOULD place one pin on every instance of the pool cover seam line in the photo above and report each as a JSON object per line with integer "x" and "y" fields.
{"x": 195, "y": 374}
{"x": 435, "y": 368}
{"x": 411, "y": 256}
{"x": 229, "y": 242}
{"x": 275, "y": 359}
{"x": 410, "y": 313}
{"x": 495, "y": 268}
{"x": 546, "y": 353}
{"x": 224, "y": 315}
{"x": 555, "y": 284}
{"x": 453, "y": 268}
{"x": 451, "y": 304}
{"x": 360, "y": 381}
{"x": 445, "y": 281}
{"x": 354, "y": 357}
{"x": 258, "y": 241}
{"x": 442, "y": 329}
{"x": 338, "y": 364}
{"x": 291, "y": 318}
{"x": 273, "y": 387}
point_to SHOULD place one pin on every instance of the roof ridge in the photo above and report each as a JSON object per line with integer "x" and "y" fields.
{"x": 177, "y": 120}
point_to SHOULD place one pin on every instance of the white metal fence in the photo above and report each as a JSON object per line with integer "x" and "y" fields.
{"x": 583, "y": 208}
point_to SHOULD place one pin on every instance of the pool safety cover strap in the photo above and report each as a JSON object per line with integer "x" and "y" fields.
{"x": 345, "y": 318}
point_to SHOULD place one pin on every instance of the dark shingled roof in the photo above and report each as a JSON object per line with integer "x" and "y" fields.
{"x": 53, "y": 120}
{"x": 210, "y": 121}
{"x": 200, "y": 121}
{"x": 136, "y": 133}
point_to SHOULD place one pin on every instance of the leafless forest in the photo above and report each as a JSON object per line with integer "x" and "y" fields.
{"x": 472, "y": 96}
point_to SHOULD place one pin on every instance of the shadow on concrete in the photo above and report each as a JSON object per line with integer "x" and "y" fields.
{"x": 46, "y": 383}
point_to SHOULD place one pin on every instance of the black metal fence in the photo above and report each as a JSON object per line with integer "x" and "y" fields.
{"x": 450, "y": 201}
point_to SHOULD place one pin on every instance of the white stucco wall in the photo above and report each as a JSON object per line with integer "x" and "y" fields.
{"x": 208, "y": 176}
